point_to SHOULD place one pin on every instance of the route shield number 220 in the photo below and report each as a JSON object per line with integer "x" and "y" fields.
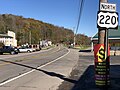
{"x": 107, "y": 20}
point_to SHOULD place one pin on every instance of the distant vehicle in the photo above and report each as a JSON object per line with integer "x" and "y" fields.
{"x": 114, "y": 48}
{"x": 70, "y": 46}
{"x": 8, "y": 49}
{"x": 23, "y": 49}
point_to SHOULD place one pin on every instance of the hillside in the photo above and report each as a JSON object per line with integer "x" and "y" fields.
{"x": 37, "y": 30}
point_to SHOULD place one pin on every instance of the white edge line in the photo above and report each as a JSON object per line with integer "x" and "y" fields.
{"x": 10, "y": 80}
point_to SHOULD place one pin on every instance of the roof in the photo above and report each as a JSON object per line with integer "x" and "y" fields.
{"x": 112, "y": 34}
{"x": 5, "y": 35}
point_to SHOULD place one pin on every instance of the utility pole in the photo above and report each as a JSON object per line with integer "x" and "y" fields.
{"x": 101, "y": 52}
{"x": 103, "y": 39}
{"x": 101, "y": 32}
{"x": 30, "y": 37}
{"x": 107, "y": 19}
{"x": 74, "y": 39}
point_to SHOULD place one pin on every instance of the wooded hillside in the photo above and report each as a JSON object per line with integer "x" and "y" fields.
{"x": 30, "y": 30}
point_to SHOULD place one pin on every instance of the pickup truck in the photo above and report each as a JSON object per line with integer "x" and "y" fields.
{"x": 8, "y": 49}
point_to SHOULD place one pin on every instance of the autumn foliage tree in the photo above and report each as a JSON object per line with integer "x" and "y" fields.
{"x": 29, "y": 29}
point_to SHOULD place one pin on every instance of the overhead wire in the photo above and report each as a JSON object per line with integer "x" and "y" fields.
{"x": 81, "y": 5}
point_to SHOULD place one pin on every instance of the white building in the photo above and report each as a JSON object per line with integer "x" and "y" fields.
{"x": 45, "y": 43}
{"x": 50, "y": 43}
{"x": 8, "y": 39}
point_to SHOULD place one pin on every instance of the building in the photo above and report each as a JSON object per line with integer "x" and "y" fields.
{"x": 113, "y": 36}
{"x": 8, "y": 39}
{"x": 45, "y": 43}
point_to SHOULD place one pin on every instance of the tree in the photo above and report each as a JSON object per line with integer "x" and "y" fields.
{"x": 39, "y": 30}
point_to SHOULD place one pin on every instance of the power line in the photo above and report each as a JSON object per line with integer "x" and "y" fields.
{"x": 80, "y": 13}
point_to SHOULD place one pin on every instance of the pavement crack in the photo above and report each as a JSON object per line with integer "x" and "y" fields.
{"x": 28, "y": 86}
{"x": 5, "y": 86}
{"x": 18, "y": 60}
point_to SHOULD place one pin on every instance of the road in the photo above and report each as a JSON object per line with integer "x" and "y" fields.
{"x": 43, "y": 70}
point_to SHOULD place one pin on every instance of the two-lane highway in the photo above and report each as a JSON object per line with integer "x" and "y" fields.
{"x": 27, "y": 67}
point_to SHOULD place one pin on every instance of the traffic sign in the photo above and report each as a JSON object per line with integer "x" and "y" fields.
{"x": 101, "y": 54}
{"x": 108, "y": 7}
{"x": 107, "y": 20}
{"x": 101, "y": 65}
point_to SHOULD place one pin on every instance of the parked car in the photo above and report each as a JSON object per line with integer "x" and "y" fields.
{"x": 8, "y": 49}
{"x": 24, "y": 49}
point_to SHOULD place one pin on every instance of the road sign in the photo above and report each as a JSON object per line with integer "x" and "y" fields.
{"x": 101, "y": 54}
{"x": 108, "y": 7}
{"x": 101, "y": 67}
{"x": 107, "y": 20}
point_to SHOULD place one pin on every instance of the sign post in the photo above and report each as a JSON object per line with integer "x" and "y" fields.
{"x": 107, "y": 18}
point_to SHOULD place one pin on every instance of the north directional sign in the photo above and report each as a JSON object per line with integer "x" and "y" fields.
{"x": 108, "y": 7}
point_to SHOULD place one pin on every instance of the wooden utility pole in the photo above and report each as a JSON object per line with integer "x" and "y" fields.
{"x": 101, "y": 53}
{"x": 30, "y": 37}
{"x": 101, "y": 32}
{"x": 107, "y": 19}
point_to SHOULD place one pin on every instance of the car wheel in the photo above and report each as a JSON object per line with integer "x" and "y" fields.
{"x": 12, "y": 52}
{"x": 29, "y": 51}
{"x": 16, "y": 52}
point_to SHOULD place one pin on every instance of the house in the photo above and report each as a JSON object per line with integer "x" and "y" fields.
{"x": 8, "y": 39}
{"x": 45, "y": 43}
{"x": 50, "y": 43}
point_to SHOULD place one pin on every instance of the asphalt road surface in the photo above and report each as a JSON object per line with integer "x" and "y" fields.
{"x": 43, "y": 70}
{"x": 83, "y": 74}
